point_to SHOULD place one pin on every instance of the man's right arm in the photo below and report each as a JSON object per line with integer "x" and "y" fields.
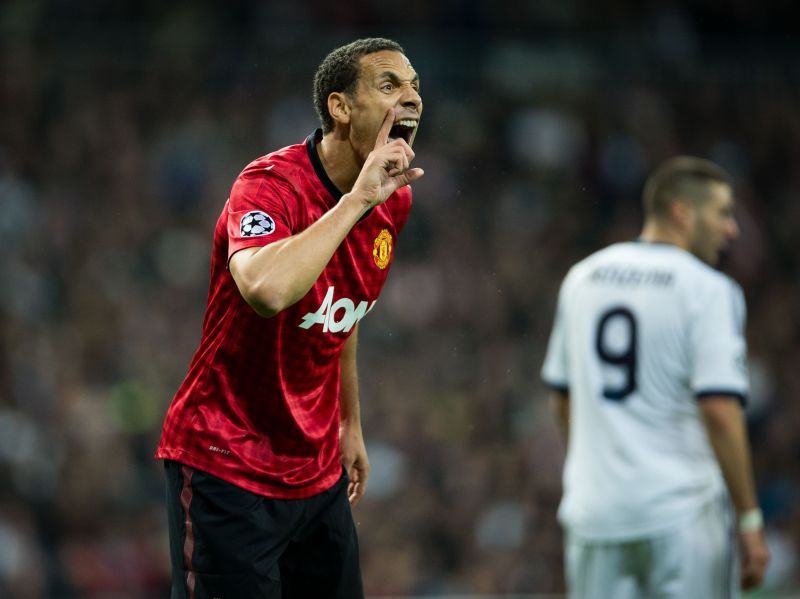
{"x": 273, "y": 277}
{"x": 727, "y": 433}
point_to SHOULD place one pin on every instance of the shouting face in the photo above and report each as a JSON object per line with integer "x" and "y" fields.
{"x": 387, "y": 81}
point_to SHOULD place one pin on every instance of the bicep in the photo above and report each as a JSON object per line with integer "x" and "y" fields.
{"x": 240, "y": 265}
{"x": 248, "y": 267}
{"x": 721, "y": 411}
{"x": 349, "y": 377}
{"x": 560, "y": 401}
{"x": 350, "y": 349}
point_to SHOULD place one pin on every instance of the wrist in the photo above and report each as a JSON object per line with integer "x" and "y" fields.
{"x": 751, "y": 520}
{"x": 350, "y": 423}
{"x": 357, "y": 200}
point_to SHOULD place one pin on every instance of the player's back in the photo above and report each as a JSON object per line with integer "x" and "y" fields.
{"x": 628, "y": 346}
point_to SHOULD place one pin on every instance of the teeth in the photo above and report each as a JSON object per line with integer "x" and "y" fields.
{"x": 407, "y": 123}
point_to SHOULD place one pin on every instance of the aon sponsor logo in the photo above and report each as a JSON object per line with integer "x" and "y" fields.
{"x": 338, "y": 316}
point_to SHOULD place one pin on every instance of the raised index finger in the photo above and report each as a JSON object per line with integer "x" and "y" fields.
{"x": 386, "y": 127}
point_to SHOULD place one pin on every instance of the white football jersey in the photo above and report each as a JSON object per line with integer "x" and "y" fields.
{"x": 642, "y": 332}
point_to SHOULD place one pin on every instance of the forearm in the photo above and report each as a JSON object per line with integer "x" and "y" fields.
{"x": 351, "y": 438}
{"x": 275, "y": 276}
{"x": 727, "y": 434}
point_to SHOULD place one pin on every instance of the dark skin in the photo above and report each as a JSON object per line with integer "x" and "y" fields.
{"x": 363, "y": 160}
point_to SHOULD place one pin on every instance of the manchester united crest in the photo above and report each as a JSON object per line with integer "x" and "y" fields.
{"x": 382, "y": 250}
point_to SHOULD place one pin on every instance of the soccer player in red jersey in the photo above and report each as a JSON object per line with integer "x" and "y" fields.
{"x": 263, "y": 446}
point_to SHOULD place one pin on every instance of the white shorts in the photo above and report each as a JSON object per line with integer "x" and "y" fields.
{"x": 697, "y": 560}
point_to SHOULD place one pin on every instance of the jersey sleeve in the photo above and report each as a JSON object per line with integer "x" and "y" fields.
{"x": 258, "y": 212}
{"x": 718, "y": 346}
{"x": 554, "y": 370}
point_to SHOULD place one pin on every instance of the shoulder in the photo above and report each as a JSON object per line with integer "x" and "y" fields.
{"x": 279, "y": 172}
{"x": 711, "y": 295}
{"x": 613, "y": 252}
{"x": 703, "y": 278}
{"x": 284, "y": 164}
{"x": 723, "y": 290}
{"x": 595, "y": 260}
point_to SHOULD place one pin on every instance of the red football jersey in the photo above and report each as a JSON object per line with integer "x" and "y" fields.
{"x": 259, "y": 406}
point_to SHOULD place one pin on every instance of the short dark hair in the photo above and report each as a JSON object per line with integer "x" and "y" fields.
{"x": 685, "y": 177}
{"x": 340, "y": 70}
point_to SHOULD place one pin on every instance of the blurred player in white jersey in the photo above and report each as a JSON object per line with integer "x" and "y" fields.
{"x": 647, "y": 363}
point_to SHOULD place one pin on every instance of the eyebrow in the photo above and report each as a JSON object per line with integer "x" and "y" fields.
{"x": 391, "y": 75}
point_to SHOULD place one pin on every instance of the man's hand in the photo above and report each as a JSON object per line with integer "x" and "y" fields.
{"x": 386, "y": 169}
{"x": 754, "y": 557}
{"x": 354, "y": 460}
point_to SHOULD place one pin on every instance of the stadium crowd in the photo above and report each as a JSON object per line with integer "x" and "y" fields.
{"x": 121, "y": 130}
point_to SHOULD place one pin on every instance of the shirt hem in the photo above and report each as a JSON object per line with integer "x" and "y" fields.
{"x": 267, "y": 490}
{"x": 555, "y": 386}
{"x": 623, "y": 534}
{"x": 706, "y": 393}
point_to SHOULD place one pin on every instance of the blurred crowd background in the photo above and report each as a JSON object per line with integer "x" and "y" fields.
{"x": 122, "y": 127}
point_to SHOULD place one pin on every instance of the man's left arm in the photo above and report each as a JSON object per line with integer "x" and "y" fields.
{"x": 727, "y": 434}
{"x": 351, "y": 437}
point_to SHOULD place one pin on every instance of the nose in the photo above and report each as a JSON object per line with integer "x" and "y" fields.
{"x": 411, "y": 98}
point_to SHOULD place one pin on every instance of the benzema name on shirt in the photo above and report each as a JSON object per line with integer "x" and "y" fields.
{"x": 629, "y": 276}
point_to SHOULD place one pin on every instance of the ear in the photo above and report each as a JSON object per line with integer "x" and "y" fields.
{"x": 339, "y": 107}
{"x": 682, "y": 214}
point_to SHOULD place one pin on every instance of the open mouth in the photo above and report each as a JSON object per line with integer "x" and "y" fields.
{"x": 403, "y": 129}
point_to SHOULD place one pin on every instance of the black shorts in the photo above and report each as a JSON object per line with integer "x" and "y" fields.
{"x": 228, "y": 543}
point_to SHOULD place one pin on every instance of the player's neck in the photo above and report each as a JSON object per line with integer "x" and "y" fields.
{"x": 657, "y": 233}
{"x": 339, "y": 161}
